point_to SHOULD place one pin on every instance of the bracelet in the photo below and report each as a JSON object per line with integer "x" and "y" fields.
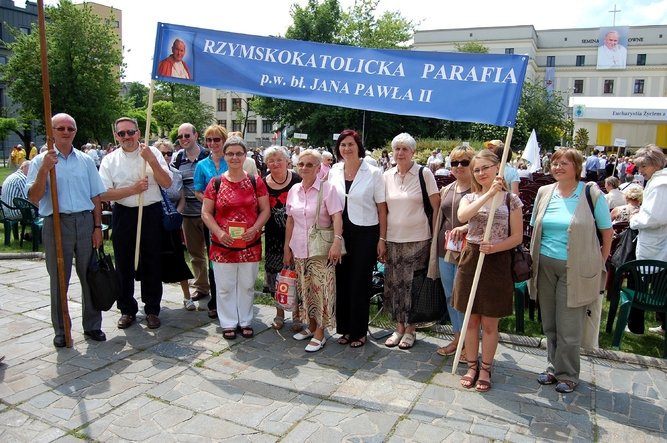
{"x": 339, "y": 237}
{"x": 97, "y": 227}
{"x": 383, "y": 239}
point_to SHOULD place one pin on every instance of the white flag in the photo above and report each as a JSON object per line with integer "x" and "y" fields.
{"x": 532, "y": 153}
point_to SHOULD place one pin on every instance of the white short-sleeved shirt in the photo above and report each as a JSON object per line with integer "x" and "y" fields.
{"x": 406, "y": 220}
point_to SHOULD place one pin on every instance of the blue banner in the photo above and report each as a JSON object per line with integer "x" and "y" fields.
{"x": 483, "y": 88}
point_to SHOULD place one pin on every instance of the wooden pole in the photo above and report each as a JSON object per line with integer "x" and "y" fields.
{"x": 497, "y": 200}
{"x": 60, "y": 261}
{"x": 147, "y": 135}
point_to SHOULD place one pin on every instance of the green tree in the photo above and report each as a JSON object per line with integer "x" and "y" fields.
{"x": 83, "y": 62}
{"x": 473, "y": 47}
{"x": 137, "y": 95}
{"x": 581, "y": 139}
{"x": 185, "y": 104}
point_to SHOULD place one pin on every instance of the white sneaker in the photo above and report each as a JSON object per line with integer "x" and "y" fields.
{"x": 189, "y": 305}
{"x": 657, "y": 330}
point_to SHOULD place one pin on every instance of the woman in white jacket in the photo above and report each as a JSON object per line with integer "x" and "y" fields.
{"x": 651, "y": 220}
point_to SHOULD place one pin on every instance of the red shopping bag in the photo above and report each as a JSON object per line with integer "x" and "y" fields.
{"x": 286, "y": 289}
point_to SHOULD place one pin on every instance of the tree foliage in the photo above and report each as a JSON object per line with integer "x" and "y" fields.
{"x": 83, "y": 62}
{"x": 473, "y": 47}
{"x": 581, "y": 139}
{"x": 175, "y": 104}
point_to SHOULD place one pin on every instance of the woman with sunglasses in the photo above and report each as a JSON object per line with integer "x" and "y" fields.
{"x": 316, "y": 276}
{"x": 451, "y": 231}
{"x": 235, "y": 209}
{"x": 212, "y": 166}
{"x": 172, "y": 260}
{"x": 493, "y": 299}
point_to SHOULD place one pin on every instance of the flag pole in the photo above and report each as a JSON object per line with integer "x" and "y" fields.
{"x": 57, "y": 233}
{"x": 497, "y": 200}
{"x": 147, "y": 135}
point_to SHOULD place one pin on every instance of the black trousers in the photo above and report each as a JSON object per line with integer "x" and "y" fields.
{"x": 354, "y": 279}
{"x": 212, "y": 301}
{"x": 124, "y": 241}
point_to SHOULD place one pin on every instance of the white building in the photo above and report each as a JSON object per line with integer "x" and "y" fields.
{"x": 634, "y": 94}
{"x": 231, "y": 111}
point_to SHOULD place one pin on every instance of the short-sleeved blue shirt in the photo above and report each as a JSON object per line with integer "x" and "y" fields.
{"x": 205, "y": 171}
{"x": 557, "y": 218}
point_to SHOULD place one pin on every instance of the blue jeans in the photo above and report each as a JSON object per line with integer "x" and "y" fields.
{"x": 447, "y": 275}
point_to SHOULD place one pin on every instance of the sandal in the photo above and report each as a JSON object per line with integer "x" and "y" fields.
{"x": 468, "y": 381}
{"x": 247, "y": 332}
{"x": 448, "y": 350}
{"x": 546, "y": 378}
{"x": 344, "y": 339}
{"x": 484, "y": 385}
{"x": 407, "y": 341}
{"x": 278, "y": 323}
{"x": 358, "y": 342}
{"x": 229, "y": 334}
{"x": 297, "y": 326}
{"x": 189, "y": 305}
{"x": 565, "y": 386}
{"x": 394, "y": 340}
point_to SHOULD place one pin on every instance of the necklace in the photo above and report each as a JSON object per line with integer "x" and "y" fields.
{"x": 282, "y": 182}
{"x": 352, "y": 171}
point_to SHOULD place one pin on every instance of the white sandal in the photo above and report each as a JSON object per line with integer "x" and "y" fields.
{"x": 189, "y": 305}
{"x": 304, "y": 334}
{"x": 394, "y": 340}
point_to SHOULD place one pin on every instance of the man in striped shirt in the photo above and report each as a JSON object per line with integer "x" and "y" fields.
{"x": 14, "y": 186}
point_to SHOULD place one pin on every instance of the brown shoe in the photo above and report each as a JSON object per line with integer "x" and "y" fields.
{"x": 125, "y": 321}
{"x": 153, "y": 321}
{"x": 212, "y": 313}
{"x": 198, "y": 296}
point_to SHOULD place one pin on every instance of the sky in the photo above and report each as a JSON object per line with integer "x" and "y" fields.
{"x": 272, "y": 17}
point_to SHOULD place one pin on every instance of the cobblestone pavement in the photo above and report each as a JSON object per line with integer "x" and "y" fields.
{"x": 184, "y": 382}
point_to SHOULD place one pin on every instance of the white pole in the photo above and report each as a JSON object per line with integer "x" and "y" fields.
{"x": 147, "y": 135}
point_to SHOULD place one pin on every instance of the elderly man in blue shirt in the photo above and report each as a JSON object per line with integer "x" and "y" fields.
{"x": 79, "y": 188}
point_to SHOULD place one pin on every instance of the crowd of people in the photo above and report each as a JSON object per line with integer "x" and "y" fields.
{"x": 387, "y": 210}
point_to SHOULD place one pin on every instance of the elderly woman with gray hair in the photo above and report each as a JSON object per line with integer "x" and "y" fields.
{"x": 651, "y": 220}
{"x": 279, "y": 181}
{"x": 408, "y": 235}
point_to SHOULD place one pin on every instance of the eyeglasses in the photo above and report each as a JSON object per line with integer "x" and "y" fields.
{"x": 213, "y": 139}
{"x": 482, "y": 169}
{"x": 464, "y": 163}
{"x": 65, "y": 128}
{"x": 180, "y": 136}
{"x": 168, "y": 153}
{"x": 129, "y": 132}
{"x": 560, "y": 164}
{"x": 234, "y": 154}
{"x": 306, "y": 165}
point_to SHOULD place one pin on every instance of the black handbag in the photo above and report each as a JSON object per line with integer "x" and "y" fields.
{"x": 428, "y": 299}
{"x": 103, "y": 280}
{"x": 522, "y": 262}
{"x": 625, "y": 251}
{"x": 171, "y": 218}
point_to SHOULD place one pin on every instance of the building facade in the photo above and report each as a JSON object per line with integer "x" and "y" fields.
{"x": 232, "y": 112}
{"x": 575, "y": 62}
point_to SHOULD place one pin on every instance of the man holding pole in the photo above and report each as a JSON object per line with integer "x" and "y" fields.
{"x": 79, "y": 205}
{"x": 126, "y": 179}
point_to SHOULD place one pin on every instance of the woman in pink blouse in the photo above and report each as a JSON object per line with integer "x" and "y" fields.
{"x": 316, "y": 276}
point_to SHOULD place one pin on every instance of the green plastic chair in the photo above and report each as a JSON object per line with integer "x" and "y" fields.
{"x": 29, "y": 217}
{"x": 646, "y": 289}
{"x": 9, "y": 224}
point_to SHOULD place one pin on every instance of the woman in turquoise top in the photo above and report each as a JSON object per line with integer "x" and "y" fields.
{"x": 215, "y": 164}
{"x": 569, "y": 262}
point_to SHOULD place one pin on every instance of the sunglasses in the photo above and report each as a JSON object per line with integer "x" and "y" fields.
{"x": 212, "y": 139}
{"x": 168, "y": 153}
{"x": 234, "y": 154}
{"x": 129, "y": 132}
{"x": 180, "y": 136}
{"x": 65, "y": 128}
{"x": 306, "y": 165}
{"x": 464, "y": 163}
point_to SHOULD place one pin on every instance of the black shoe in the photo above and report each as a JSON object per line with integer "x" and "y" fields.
{"x": 153, "y": 321}
{"x": 59, "y": 341}
{"x": 96, "y": 335}
{"x": 125, "y": 321}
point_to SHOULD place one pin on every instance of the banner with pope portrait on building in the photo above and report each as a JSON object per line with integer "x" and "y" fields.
{"x": 612, "y": 49}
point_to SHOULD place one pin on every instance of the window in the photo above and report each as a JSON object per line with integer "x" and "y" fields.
{"x": 222, "y": 123}
{"x": 641, "y": 59}
{"x": 236, "y": 104}
{"x": 251, "y": 127}
{"x": 222, "y": 104}
{"x": 237, "y": 125}
{"x": 509, "y": 50}
{"x": 267, "y": 126}
{"x": 24, "y": 30}
{"x": 609, "y": 86}
{"x": 578, "y": 87}
{"x": 551, "y": 61}
{"x": 3, "y": 60}
{"x": 639, "y": 86}
{"x": 581, "y": 60}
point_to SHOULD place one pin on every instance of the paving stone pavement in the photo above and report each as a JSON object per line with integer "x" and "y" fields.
{"x": 184, "y": 382}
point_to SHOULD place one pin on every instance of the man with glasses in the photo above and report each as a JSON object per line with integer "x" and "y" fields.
{"x": 194, "y": 230}
{"x": 79, "y": 188}
{"x": 122, "y": 173}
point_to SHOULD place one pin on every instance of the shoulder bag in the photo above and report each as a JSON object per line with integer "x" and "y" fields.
{"x": 171, "y": 218}
{"x": 522, "y": 262}
{"x": 103, "y": 280}
{"x": 320, "y": 239}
